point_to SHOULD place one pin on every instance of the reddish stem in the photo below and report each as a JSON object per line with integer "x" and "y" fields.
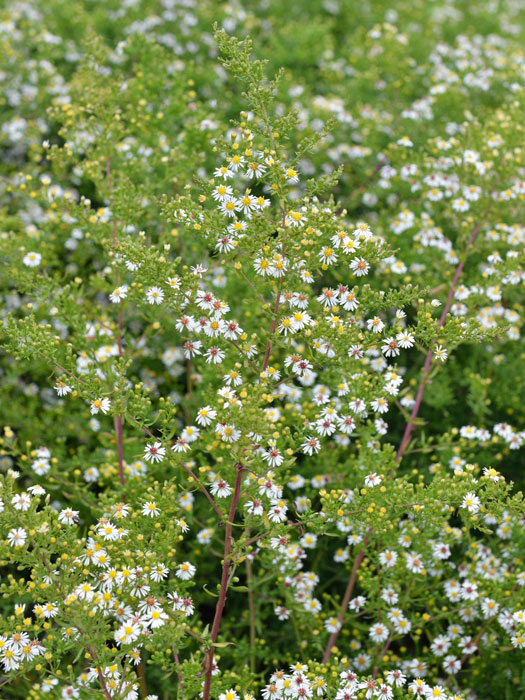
{"x": 142, "y": 678}
{"x": 100, "y": 674}
{"x": 117, "y": 422}
{"x": 383, "y": 652}
{"x": 272, "y": 329}
{"x": 89, "y": 648}
{"x": 346, "y": 599}
{"x": 276, "y": 307}
{"x": 208, "y": 662}
{"x": 179, "y": 674}
{"x": 203, "y": 489}
{"x": 428, "y": 360}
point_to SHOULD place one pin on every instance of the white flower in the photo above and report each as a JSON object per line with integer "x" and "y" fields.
{"x": 221, "y": 488}
{"x": 388, "y": 558}
{"x": 378, "y": 633}
{"x": 154, "y": 295}
{"x": 214, "y": 355}
{"x": 48, "y": 684}
{"x": 375, "y": 324}
{"x": 372, "y": 480}
{"x": 405, "y": 340}
{"x": 32, "y": 259}
{"x": 273, "y": 457}
{"x": 68, "y": 516}
{"x": 222, "y": 192}
{"x": 277, "y": 513}
{"x": 310, "y": 446}
{"x": 471, "y": 502}
{"x": 390, "y": 347}
{"x": 21, "y": 501}
{"x": 155, "y": 619}
{"x": 282, "y": 613}
{"x": 128, "y": 633}
{"x": 359, "y": 267}
{"x": 332, "y": 624}
{"x": 155, "y": 452}
{"x": 118, "y": 293}
{"x": 379, "y": 405}
{"x": 41, "y": 466}
{"x": 150, "y": 508}
{"x": 229, "y": 206}
{"x": 440, "y": 353}
{"x": 460, "y": 204}
{"x": 17, "y": 537}
{"x": 229, "y": 695}
{"x": 206, "y": 415}
{"x": 62, "y": 389}
{"x": 100, "y": 405}
{"x": 185, "y": 571}
{"x": 308, "y": 541}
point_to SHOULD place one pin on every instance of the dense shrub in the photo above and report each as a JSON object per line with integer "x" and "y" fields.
{"x": 261, "y": 357}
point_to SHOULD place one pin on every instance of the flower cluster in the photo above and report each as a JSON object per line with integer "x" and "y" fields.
{"x": 262, "y": 352}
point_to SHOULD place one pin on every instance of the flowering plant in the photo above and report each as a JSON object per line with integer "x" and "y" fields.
{"x": 236, "y": 376}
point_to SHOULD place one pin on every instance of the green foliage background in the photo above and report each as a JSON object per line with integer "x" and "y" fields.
{"x": 349, "y": 71}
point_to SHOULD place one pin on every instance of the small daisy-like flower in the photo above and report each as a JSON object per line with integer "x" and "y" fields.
{"x": 277, "y": 513}
{"x": 174, "y": 282}
{"x": 150, "y": 509}
{"x": 118, "y": 294}
{"x": 229, "y": 206}
{"x": 222, "y": 192}
{"x": 332, "y": 624}
{"x": 328, "y": 256}
{"x": 181, "y": 445}
{"x": 68, "y": 516}
{"x": 373, "y": 480}
{"x": 154, "y": 295}
{"x": 378, "y": 633}
{"x": 379, "y": 405}
{"x": 223, "y": 172}
{"x": 359, "y": 267}
{"x": 375, "y": 324}
{"x": 154, "y": 452}
{"x": 292, "y": 176}
{"x": 247, "y": 203}
{"x": 62, "y": 389}
{"x": 206, "y": 415}
{"x": 128, "y": 633}
{"x": 471, "y": 502}
{"x": 221, "y": 488}
{"x": 214, "y": 355}
{"x": 460, "y": 204}
{"x": 492, "y": 474}
{"x": 405, "y": 340}
{"x": 156, "y": 619}
{"x": 17, "y": 537}
{"x": 185, "y": 571}
{"x": 229, "y": 695}
{"x": 21, "y": 501}
{"x": 390, "y": 347}
{"x": 273, "y": 457}
{"x": 310, "y": 446}
{"x": 192, "y": 348}
{"x": 282, "y": 612}
{"x": 100, "y": 406}
{"x": 32, "y": 259}
{"x": 440, "y": 353}
{"x": 159, "y": 572}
